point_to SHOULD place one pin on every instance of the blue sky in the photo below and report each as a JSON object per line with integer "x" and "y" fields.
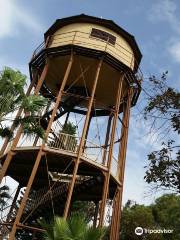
{"x": 155, "y": 25}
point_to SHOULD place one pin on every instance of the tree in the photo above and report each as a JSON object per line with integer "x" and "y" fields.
{"x": 163, "y": 111}
{"x": 163, "y": 214}
{"x": 85, "y": 208}
{"x": 166, "y": 212}
{"x": 75, "y": 227}
{"x": 12, "y": 97}
{"x": 69, "y": 128}
{"x": 133, "y": 216}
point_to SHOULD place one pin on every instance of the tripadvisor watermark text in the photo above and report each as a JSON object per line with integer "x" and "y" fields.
{"x": 140, "y": 231}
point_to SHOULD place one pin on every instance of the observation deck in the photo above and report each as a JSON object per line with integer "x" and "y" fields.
{"x": 61, "y": 151}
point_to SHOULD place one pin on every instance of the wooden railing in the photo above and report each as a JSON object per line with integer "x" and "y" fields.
{"x": 63, "y": 141}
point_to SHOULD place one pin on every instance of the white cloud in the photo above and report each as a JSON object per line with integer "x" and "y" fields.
{"x": 165, "y": 10}
{"x": 13, "y": 16}
{"x": 174, "y": 50}
{"x": 5, "y": 61}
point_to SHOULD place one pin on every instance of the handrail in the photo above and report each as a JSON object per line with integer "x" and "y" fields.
{"x": 70, "y": 143}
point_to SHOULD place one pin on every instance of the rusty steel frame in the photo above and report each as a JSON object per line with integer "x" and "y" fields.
{"x": 107, "y": 139}
{"x": 18, "y": 134}
{"x": 41, "y": 152}
{"x": 110, "y": 135}
{"x": 117, "y": 207}
{"x": 82, "y": 141}
{"x": 110, "y": 155}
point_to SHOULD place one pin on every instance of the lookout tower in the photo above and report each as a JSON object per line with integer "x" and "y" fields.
{"x": 87, "y": 67}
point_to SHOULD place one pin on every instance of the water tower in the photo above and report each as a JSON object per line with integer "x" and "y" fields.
{"x": 87, "y": 67}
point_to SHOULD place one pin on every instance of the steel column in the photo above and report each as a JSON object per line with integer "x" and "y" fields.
{"x": 40, "y": 153}
{"x": 110, "y": 155}
{"x": 116, "y": 207}
{"x": 18, "y": 134}
{"x": 82, "y": 141}
{"x": 114, "y": 233}
{"x": 107, "y": 139}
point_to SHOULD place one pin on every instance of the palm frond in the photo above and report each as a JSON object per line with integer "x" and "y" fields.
{"x": 62, "y": 230}
{"x": 77, "y": 225}
{"x": 94, "y": 233}
{"x": 33, "y": 103}
{"x": 75, "y": 228}
{"x": 12, "y": 97}
{"x": 48, "y": 227}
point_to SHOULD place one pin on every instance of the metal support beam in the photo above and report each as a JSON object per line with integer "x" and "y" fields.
{"x": 82, "y": 141}
{"x": 107, "y": 139}
{"x": 116, "y": 206}
{"x": 41, "y": 152}
{"x": 18, "y": 134}
{"x": 115, "y": 227}
{"x": 110, "y": 155}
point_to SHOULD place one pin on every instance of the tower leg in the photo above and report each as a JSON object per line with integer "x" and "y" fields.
{"x": 18, "y": 134}
{"x": 107, "y": 139}
{"x": 107, "y": 175}
{"x": 40, "y": 153}
{"x": 115, "y": 227}
{"x": 82, "y": 141}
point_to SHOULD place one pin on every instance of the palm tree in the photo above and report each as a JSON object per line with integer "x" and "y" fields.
{"x": 12, "y": 97}
{"x": 4, "y": 196}
{"x": 75, "y": 228}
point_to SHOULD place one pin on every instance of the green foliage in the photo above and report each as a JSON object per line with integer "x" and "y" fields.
{"x": 163, "y": 101}
{"x": 163, "y": 111}
{"x": 137, "y": 216}
{"x": 12, "y": 97}
{"x": 163, "y": 214}
{"x": 69, "y": 128}
{"x": 33, "y": 103}
{"x": 166, "y": 211}
{"x": 75, "y": 228}
{"x": 163, "y": 168}
{"x": 84, "y": 208}
{"x": 11, "y": 90}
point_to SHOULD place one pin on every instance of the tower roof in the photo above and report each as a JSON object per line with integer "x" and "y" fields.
{"x": 82, "y": 18}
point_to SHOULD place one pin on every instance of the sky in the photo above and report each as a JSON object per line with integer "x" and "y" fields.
{"x": 156, "y": 27}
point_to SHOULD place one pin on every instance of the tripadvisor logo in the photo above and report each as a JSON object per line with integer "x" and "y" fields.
{"x": 139, "y": 231}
